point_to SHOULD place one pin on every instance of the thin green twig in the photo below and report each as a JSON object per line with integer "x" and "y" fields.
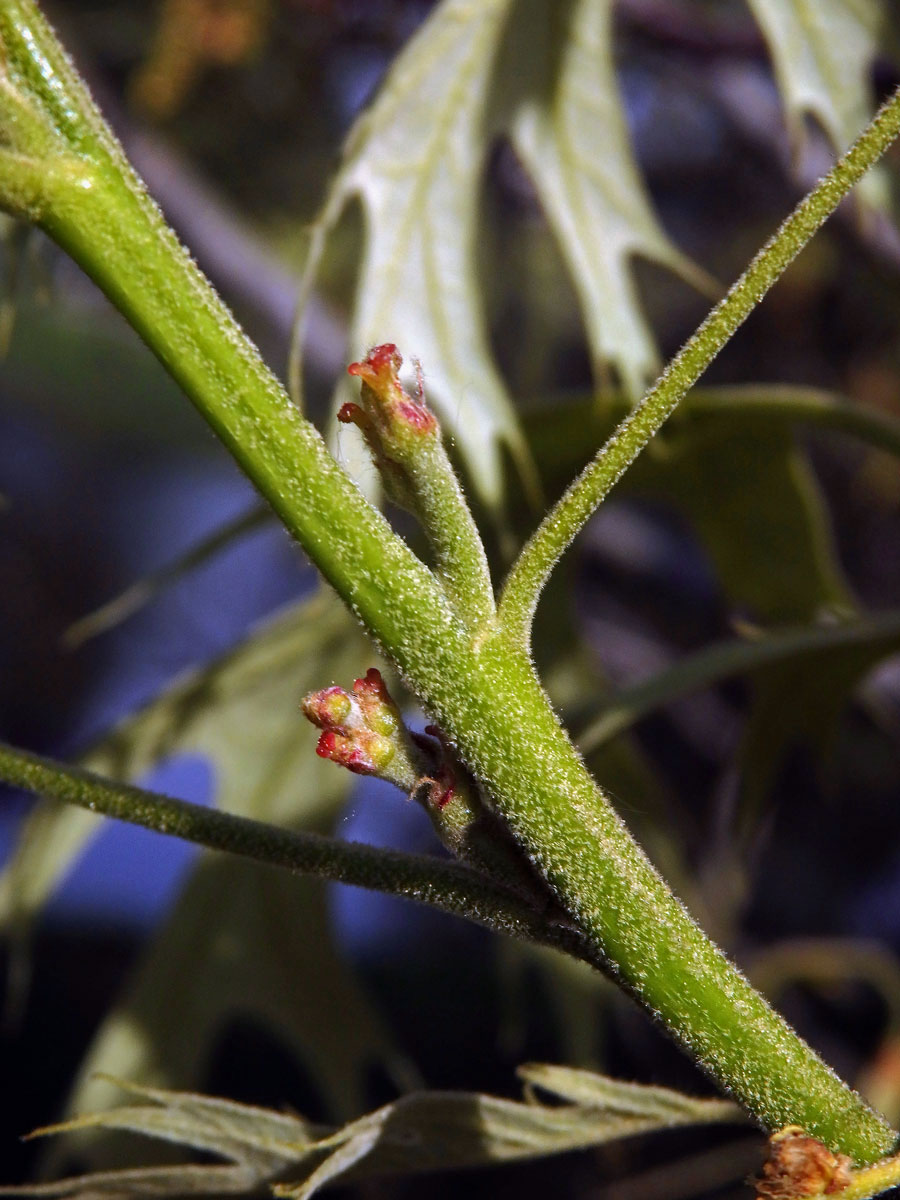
{"x": 439, "y": 883}
{"x": 529, "y": 574}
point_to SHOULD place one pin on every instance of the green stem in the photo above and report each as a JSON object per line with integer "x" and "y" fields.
{"x": 485, "y": 697}
{"x": 808, "y": 406}
{"x": 460, "y": 560}
{"x": 102, "y": 215}
{"x": 404, "y": 438}
{"x": 529, "y": 574}
{"x": 439, "y": 883}
{"x": 724, "y": 659}
{"x": 873, "y": 1181}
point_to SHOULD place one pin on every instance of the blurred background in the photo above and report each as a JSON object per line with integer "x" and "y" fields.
{"x": 234, "y": 111}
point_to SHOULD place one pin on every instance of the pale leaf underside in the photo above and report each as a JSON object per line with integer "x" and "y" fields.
{"x": 419, "y": 1132}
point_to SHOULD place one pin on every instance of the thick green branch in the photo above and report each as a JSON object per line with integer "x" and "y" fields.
{"x": 486, "y": 698}
{"x": 439, "y": 883}
{"x": 99, "y": 211}
{"x": 532, "y": 569}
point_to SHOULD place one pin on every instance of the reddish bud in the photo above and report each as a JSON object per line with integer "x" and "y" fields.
{"x": 328, "y": 708}
{"x": 378, "y": 709}
{"x": 417, "y": 416}
{"x": 390, "y": 412}
{"x": 363, "y": 730}
{"x": 800, "y": 1165}
{"x": 380, "y": 366}
{"x": 362, "y": 753}
{"x": 352, "y": 414}
{"x": 372, "y": 684}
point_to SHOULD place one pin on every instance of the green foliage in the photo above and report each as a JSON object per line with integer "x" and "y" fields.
{"x": 566, "y": 123}
{"x": 542, "y": 75}
{"x": 415, "y": 159}
{"x": 736, "y": 473}
{"x": 222, "y": 945}
{"x": 419, "y": 1132}
{"x": 822, "y": 54}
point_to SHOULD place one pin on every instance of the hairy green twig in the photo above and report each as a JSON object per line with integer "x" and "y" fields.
{"x": 529, "y": 574}
{"x": 439, "y": 883}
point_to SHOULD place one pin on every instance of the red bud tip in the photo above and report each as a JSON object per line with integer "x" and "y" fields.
{"x": 417, "y": 416}
{"x": 362, "y": 728}
{"x": 328, "y": 708}
{"x": 388, "y": 411}
{"x": 381, "y": 361}
{"x": 373, "y": 684}
{"x": 347, "y": 752}
{"x": 379, "y": 711}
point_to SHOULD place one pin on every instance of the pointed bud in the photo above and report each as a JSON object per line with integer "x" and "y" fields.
{"x": 379, "y": 710}
{"x": 396, "y": 426}
{"x": 387, "y": 404}
{"x": 404, "y": 438}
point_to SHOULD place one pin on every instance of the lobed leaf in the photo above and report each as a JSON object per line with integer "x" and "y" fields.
{"x": 414, "y": 161}
{"x": 244, "y": 943}
{"x": 822, "y": 53}
{"x": 420, "y": 1132}
{"x": 569, "y": 129}
{"x": 660, "y": 1104}
{"x": 542, "y": 74}
{"x": 228, "y": 948}
{"x": 186, "y": 1180}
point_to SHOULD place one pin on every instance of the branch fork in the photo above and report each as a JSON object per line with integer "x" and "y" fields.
{"x": 404, "y": 437}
